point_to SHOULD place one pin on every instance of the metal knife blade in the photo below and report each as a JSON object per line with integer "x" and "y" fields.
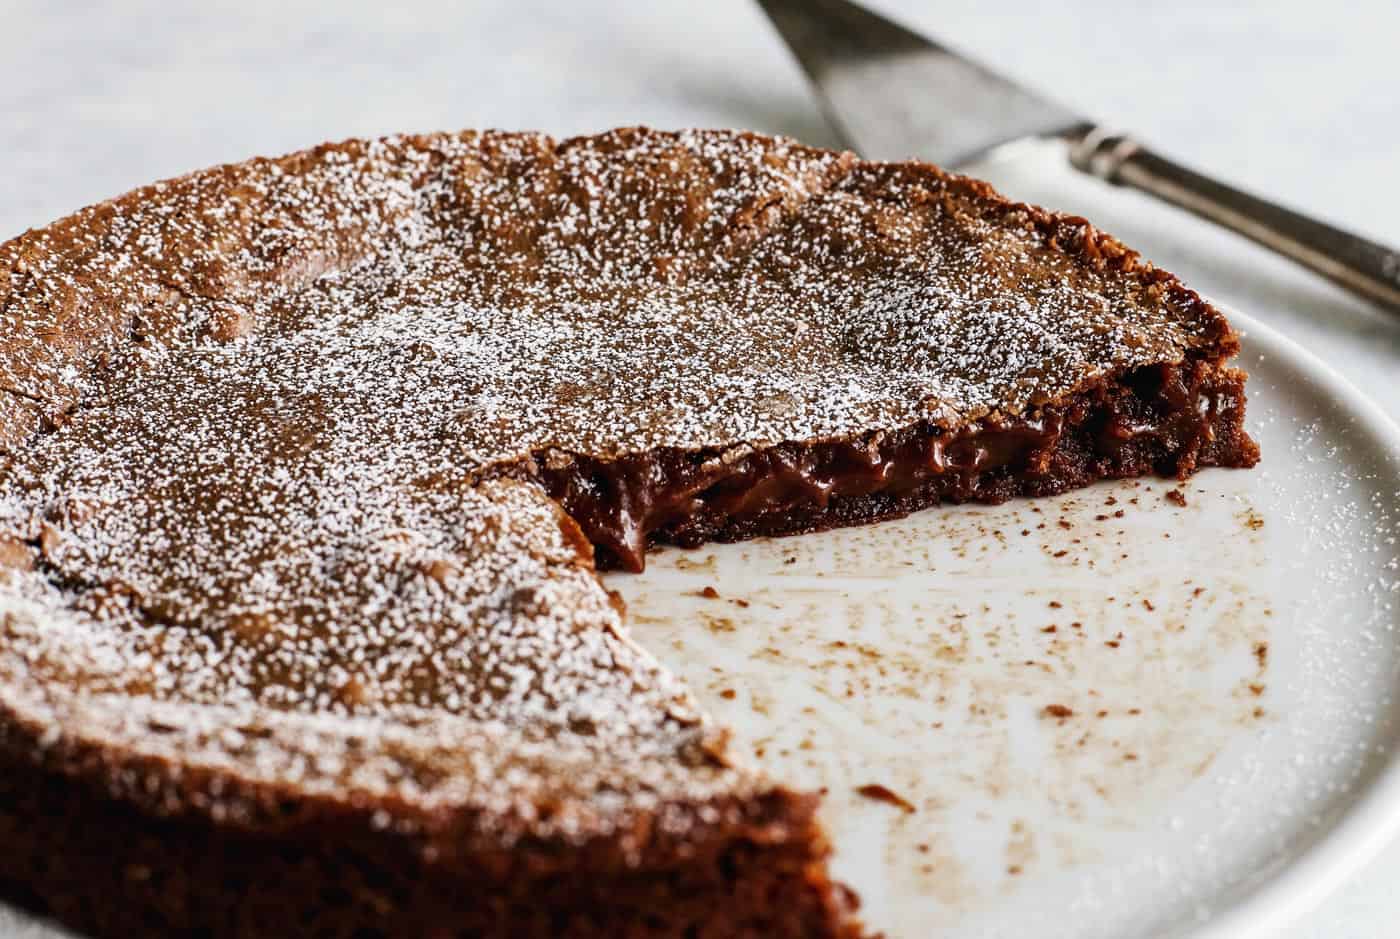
{"x": 893, "y": 94}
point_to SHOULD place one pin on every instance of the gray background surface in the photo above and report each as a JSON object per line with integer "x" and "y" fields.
{"x": 1297, "y": 100}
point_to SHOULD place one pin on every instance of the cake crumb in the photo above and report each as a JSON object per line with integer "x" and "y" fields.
{"x": 884, "y": 794}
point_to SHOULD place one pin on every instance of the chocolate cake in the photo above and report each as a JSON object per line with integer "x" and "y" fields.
{"x": 304, "y": 463}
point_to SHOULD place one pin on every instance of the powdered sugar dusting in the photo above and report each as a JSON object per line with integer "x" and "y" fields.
{"x": 295, "y": 407}
{"x": 452, "y": 634}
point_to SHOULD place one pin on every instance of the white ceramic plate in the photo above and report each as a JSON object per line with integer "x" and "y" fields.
{"x": 1111, "y": 715}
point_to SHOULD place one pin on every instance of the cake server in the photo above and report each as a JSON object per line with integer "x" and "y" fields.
{"x": 893, "y": 94}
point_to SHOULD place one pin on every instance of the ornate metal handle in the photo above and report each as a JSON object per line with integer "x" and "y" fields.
{"x": 1365, "y": 268}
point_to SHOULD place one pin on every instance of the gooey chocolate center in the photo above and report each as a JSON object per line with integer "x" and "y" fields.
{"x": 686, "y": 498}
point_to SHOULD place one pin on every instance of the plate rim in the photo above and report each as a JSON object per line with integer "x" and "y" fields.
{"x": 1371, "y": 821}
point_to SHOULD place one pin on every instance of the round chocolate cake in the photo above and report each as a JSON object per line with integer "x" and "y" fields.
{"x": 306, "y": 465}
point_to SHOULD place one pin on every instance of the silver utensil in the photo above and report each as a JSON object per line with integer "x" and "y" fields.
{"x": 893, "y": 94}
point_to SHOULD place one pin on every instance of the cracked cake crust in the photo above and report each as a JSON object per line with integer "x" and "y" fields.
{"x": 292, "y": 604}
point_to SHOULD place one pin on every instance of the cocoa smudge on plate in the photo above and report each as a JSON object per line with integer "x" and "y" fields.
{"x": 884, "y": 794}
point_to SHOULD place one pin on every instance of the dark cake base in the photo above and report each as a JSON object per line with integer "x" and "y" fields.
{"x": 102, "y": 867}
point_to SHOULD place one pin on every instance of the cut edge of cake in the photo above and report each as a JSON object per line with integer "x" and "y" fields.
{"x": 765, "y": 849}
